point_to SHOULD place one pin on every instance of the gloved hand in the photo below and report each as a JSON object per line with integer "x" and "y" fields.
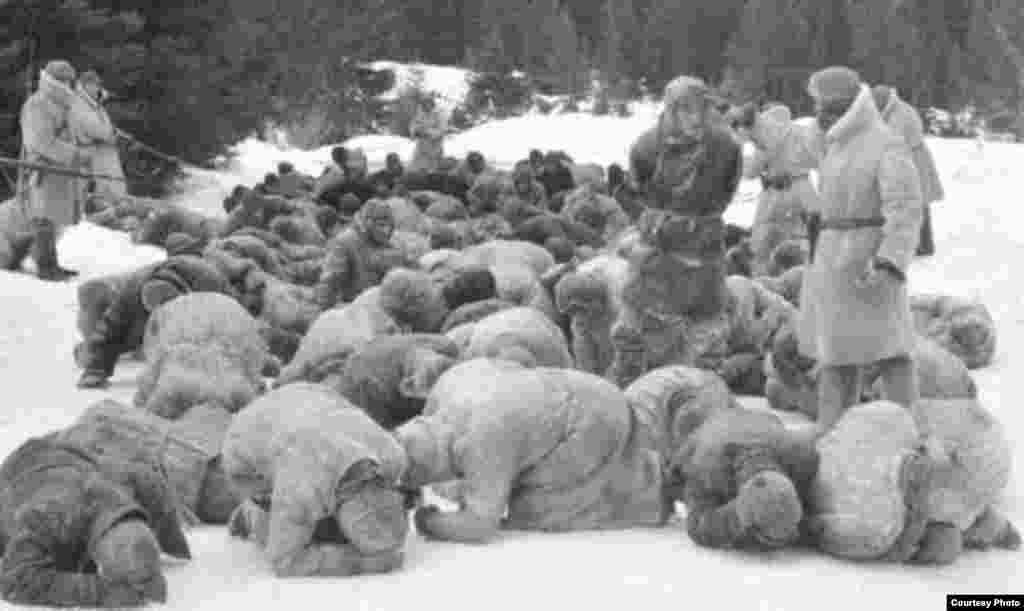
{"x": 249, "y": 521}
{"x": 92, "y": 380}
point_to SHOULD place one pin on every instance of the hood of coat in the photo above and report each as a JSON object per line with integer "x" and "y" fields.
{"x": 861, "y": 115}
{"x": 54, "y": 90}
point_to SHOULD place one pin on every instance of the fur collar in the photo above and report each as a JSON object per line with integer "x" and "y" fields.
{"x": 55, "y": 90}
{"x": 890, "y": 104}
{"x": 859, "y": 116}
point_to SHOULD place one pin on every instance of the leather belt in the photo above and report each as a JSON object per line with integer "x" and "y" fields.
{"x": 851, "y": 224}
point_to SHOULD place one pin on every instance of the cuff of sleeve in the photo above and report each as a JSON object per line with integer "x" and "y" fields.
{"x": 887, "y": 265}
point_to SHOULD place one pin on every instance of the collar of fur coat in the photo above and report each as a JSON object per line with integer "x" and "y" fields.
{"x": 55, "y": 90}
{"x": 862, "y": 113}
{"x": 890, "y": 103}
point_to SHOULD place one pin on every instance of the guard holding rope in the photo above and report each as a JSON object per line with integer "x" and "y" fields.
{"x": 49, "y": 200}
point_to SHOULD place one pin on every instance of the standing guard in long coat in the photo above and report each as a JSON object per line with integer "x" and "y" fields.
{"x": 49, "y": 200}
{"x": 689, "y": 168}
{"x": 854, "y": 305}
{"x": 93, "y": 130}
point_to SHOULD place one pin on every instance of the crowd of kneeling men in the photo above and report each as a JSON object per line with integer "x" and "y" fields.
{"x": 452, "y": 330}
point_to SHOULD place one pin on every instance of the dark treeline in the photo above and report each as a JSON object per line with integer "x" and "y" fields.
{"x": 194, "y": 76}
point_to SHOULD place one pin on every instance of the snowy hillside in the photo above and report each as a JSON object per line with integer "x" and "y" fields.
{"x": 980, "y": 248}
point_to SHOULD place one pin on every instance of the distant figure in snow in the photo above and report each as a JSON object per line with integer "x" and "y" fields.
{"x": 428, "y": 129}
{"x": 903, "y": 119}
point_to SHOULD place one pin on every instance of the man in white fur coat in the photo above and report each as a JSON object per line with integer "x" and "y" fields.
{"x": 854, "y": 305}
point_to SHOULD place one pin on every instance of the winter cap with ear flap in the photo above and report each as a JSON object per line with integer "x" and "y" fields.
{"x": 90, "y": 77}
{"x": 377, "y": 210}
{"x": 835, "y": 83}
{"x": 179, "y": 243}
{"x": 127, "y": 553}
{"x": 685, "y": 88}
{"x": 560, "y": 248}
{"x": 155, "y": 293}
{"x": 769, "y": 509}
{"x": 61, "y": 70}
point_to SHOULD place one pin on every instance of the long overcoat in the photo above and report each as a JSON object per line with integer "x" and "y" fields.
{"x": 867, "y": 173}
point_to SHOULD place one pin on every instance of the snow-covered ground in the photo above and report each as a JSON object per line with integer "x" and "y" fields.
{"x": 980, "y": 248}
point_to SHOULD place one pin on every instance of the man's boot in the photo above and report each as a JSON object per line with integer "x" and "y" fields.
{"x": 44, "y": 251}
{"x": 926, "y": 241}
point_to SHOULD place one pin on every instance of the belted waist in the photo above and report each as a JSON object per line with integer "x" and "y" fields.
{"x": 673, "y": 231}
{"x": 781, "y": 182}
{"x": 850, "y": 224}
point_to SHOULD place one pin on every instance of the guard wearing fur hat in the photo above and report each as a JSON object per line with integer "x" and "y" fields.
{"x": 93, "y": 131}
{"x": 854, "y": 305}
{"x": 688, "y": 166}
{"x": 48, "y": 201}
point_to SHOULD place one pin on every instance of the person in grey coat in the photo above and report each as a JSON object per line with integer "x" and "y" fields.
{"x": 79, "y": 531}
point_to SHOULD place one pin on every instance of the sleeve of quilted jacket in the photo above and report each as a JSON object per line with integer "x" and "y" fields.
{"x": 488, "y": 462}
{"x": 733, "y": 172}
{"x": 907, "y": 124}
{"x": 298, "y": 502}
{"x": 332, "y": 178}
{"x": 643, "y": 158}
{"x": 709, "y": 521}
{"x": 29, "y": 573}
{"x": 902, "y": 206}
{"x": 40, "y": 135}
{"x": 335, "y": 273}
{"x": 771, "y": 311}
{"x": 106, "y": 342}
{"x": 616, "y": 219}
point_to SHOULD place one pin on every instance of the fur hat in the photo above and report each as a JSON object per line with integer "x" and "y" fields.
{"x": 768, "y": 504}
{"x": 685, "y": 88}
{"x": 443, "y": 236}
{"x": 560, "y": 248}
{"x": 90, "y": 76}
{"x": 578, "y": 287}
{"x": 61, "y": 70}
{"x": 407, "y": 294}
{"x": 834, "y": 83}
{"x": 179, "y": 243}
{"x": 469, "y": 285}
{"x": 155, "y": 293}
{"x": 128, "y": 553}
{"x": 377, "y": 210}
